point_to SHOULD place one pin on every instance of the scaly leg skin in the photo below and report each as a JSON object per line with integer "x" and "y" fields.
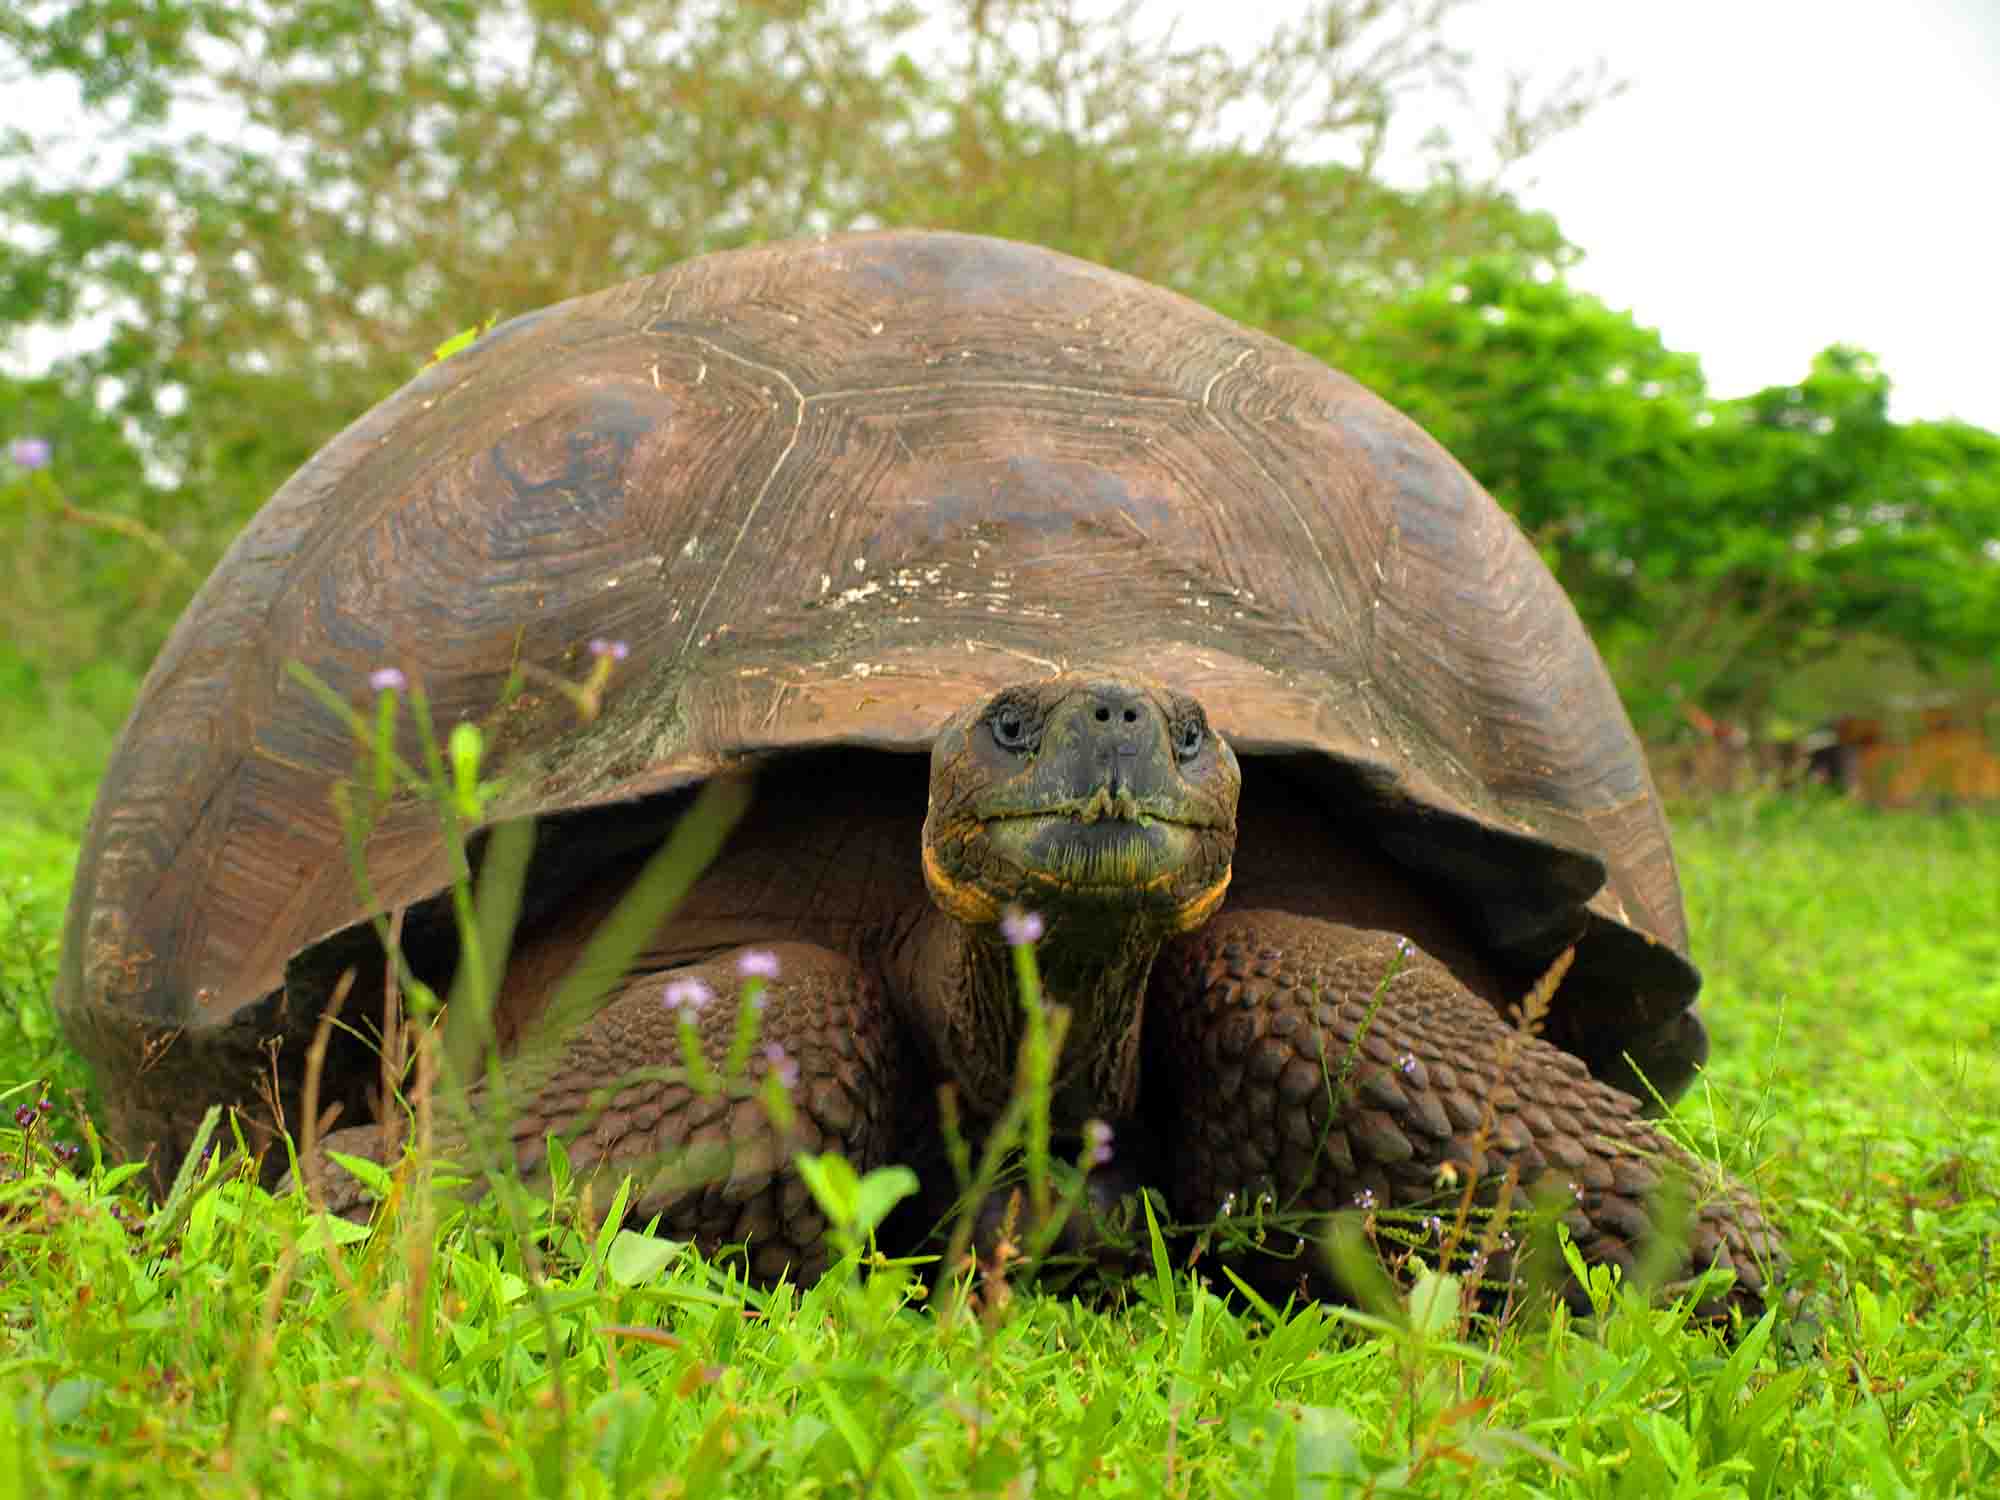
{"x": 714, "y": 1168}
{"x": 1263, "y": 1010}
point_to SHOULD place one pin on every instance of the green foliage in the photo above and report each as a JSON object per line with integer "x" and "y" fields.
{"x": 1713, "y": 547}
{"x": 92, "y": 569}
{"x": 1889, "y": 528}
{"x": 55, "y": 736}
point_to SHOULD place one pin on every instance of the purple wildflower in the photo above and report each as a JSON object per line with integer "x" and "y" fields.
{"x": 782, "y": 1067}
{"x": 1022, "y": 929}
{"x": 1408, "y": 1063}
{"x": 1098, "y": 1136}
{"x": 387, "y": 680}
{"x": 1365, "y": 1200}
{"x": 688, "y": 996}
{"x": 758, "y": 963}
{"x": 614, "y": 650}
{"x": 25, "y": 1116}
{"x": 30, "y": 452}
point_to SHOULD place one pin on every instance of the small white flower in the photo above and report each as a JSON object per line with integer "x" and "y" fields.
{"x": 30, "y": 452}
{"x": 758, "y": 963}
{"x": 1098, "y": 1135}
{"x": 782, "y": 1067}
{"x": 1022, "y": 929}
{"x": 688, "y": 996}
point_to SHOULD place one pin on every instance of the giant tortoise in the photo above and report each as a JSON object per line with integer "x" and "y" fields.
{"x": 1019, "y": 584}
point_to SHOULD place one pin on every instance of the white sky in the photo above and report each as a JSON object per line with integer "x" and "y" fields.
{"x": 1780, "y": 175}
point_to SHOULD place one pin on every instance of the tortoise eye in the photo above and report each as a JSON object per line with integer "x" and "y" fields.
{"x": 1011, "y": 729}
{"x": 1189, "y": 736}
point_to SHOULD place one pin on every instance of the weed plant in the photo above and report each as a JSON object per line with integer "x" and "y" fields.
{"x": 230, "y": 1342}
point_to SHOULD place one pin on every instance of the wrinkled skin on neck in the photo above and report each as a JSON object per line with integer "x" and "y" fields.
{"x": 1105, "y": 807}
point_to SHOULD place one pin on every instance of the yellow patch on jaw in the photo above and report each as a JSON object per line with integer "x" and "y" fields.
{"x": 1202, "y": 907}
{"x": 957, "y": 899}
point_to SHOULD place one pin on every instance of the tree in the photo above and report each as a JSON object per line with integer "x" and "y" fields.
{"x": 1714, "y": 547}
{"x": 1889, "y": 528}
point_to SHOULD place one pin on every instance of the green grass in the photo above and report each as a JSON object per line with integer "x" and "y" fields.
{"x": 54, "y": 740}
{"x": 1854, "y": 992}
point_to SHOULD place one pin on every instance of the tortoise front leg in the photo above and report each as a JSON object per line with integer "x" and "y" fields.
{"x": 1293, "y": 1087}
{"x": 711, "y": 1165}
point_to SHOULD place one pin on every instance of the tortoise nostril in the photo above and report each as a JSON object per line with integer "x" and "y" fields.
{"x": 1114, "y": 713}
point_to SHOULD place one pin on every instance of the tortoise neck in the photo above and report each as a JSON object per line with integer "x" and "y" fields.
{"x": 968, "y": 1002}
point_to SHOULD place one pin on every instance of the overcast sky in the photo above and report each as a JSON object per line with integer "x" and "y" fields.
{"x": 1781, "y": 175}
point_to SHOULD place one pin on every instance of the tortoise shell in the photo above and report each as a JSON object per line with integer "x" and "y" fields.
{"x": 827, "y": 492}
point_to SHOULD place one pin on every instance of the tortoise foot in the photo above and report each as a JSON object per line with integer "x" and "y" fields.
{"x": 710, "y": 1156}
{"x": 1327, "y": 1067}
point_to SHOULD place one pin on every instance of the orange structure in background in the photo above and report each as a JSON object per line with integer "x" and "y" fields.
{"x": 1937, "y": 755}
{"x": 1948, "y": 757}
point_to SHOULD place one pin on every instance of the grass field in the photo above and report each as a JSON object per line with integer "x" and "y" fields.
{"x": 216, "y": 1344}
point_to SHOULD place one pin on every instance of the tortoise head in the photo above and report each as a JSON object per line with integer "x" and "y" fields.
{"x": 1091, "y": 798}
